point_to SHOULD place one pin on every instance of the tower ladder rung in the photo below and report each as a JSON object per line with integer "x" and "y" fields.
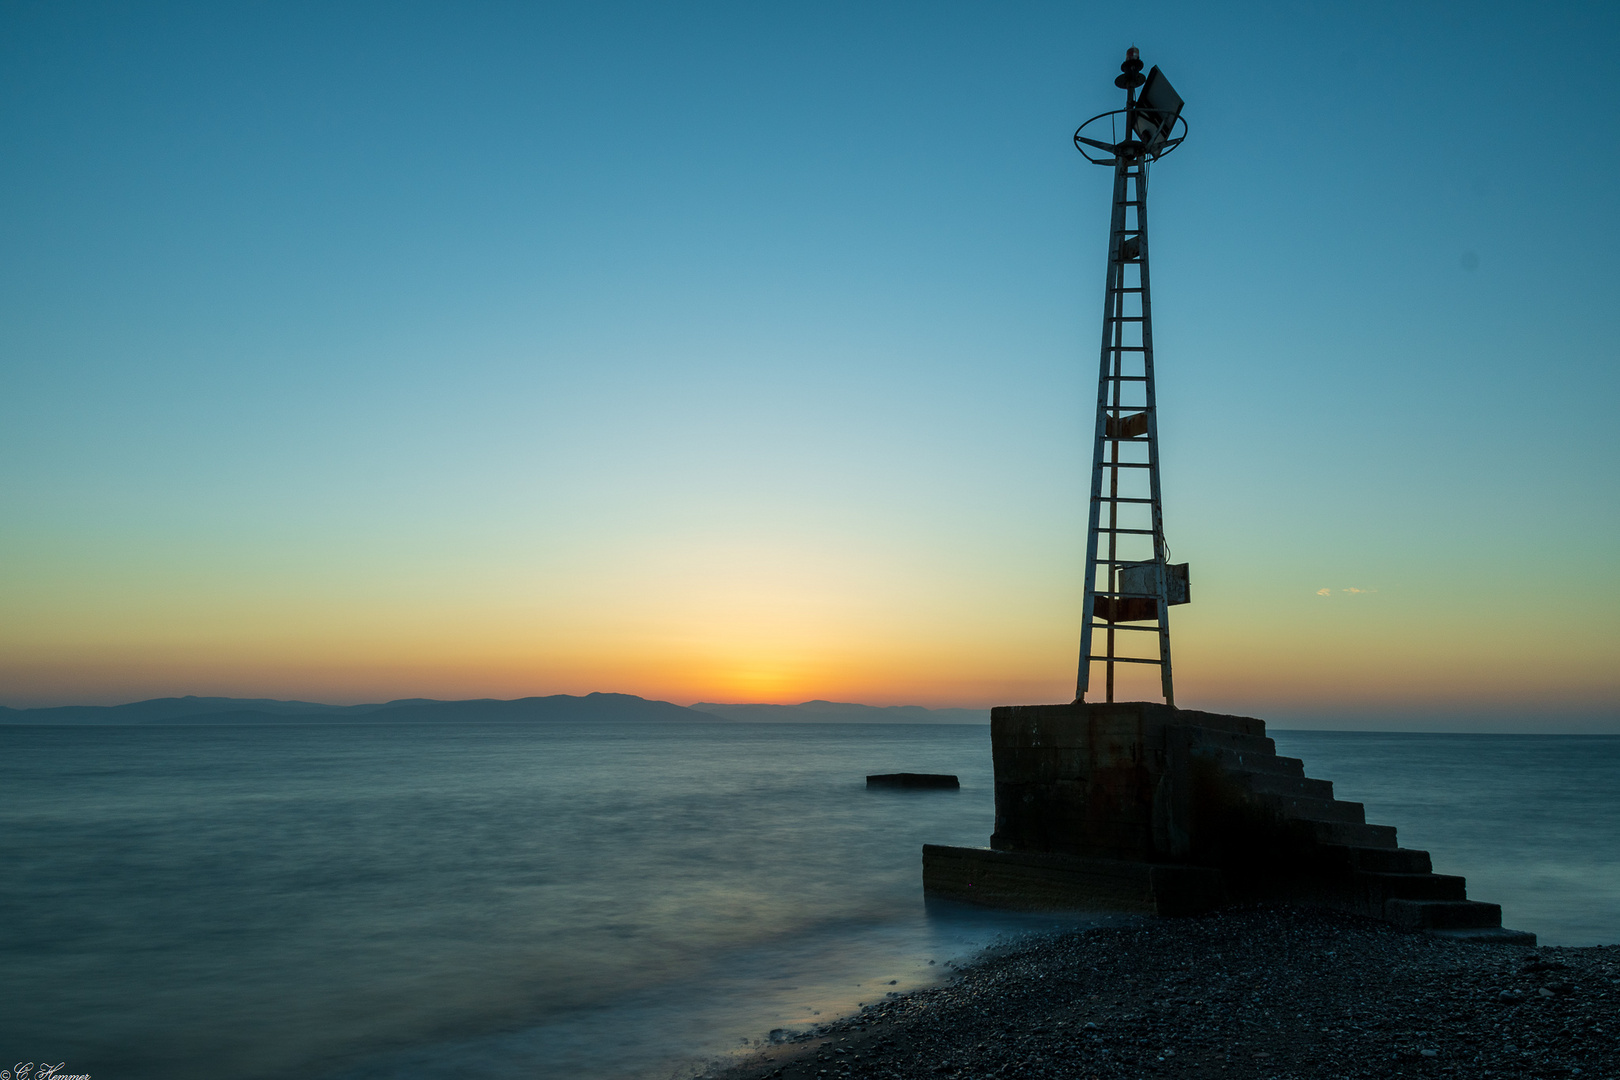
{"x": 1125, "y": 659}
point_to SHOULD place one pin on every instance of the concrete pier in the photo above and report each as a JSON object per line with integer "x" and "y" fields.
{"x": 1137, "y": 806}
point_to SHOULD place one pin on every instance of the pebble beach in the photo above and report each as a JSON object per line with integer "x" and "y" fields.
{"x": 1270, "y": 992}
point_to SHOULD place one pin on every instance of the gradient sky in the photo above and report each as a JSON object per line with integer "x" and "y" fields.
{"x": 745, "y": 352}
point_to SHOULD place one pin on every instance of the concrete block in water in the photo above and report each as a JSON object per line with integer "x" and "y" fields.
{"x": 913, "y": 780}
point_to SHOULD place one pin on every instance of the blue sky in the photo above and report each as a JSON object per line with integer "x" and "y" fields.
{"x": 742, "y": 352}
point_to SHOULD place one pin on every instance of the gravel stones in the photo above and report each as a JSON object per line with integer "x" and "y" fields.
{"x": 1269, "y": 992}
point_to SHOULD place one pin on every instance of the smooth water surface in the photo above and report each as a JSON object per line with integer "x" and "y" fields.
{"x": 544, "y": 900}
{"x": 356, "y": 902}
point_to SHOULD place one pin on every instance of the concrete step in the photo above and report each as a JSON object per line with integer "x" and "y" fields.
{"x": 1253, "y": 761}
{"x": 1303, "y": 807}
{"x": 1353, "y": 834}
{"x": 1442, "y": 914}
{"x": 1486, "y": 935}
{"x": 1231, "y": 740}
{"x": 1277, "y": 784}
{"x": 1381, "y": 887}
{"x": 1044, "y": 881}
{"x": 1380, "y": 860}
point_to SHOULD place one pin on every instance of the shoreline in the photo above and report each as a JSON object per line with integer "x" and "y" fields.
{"x": 1257, "y": 992}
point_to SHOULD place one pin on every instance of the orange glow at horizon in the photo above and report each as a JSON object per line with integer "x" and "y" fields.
{"x": 767, "y": 616}
{"x": 938, "y": 670}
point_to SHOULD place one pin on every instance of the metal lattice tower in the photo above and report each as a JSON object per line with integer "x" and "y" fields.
{"x": 1130, "y": 585}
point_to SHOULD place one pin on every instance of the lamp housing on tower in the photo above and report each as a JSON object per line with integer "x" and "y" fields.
{"x": 1158, "y": 108}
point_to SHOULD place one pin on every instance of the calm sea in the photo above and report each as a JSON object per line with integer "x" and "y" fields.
{"x": 358, "y": 901}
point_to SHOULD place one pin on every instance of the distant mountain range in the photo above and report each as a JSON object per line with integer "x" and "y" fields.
{"x": 841, "y": 712}
{"x": 558, "y": 707}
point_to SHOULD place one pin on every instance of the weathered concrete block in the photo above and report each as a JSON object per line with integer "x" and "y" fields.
{"x": 1105, "y": 780}
{"x": 935, "y": 781}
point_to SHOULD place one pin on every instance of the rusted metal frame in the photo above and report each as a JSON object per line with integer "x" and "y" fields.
{"x": 1111, "y": 284}
{"x": 1118, "y": 378}
{"x": 1165, "y": 674}
{"x": 1117, "y": 312}
{"x": 1144, "y": 321}
{"x": 1118, "y": 145}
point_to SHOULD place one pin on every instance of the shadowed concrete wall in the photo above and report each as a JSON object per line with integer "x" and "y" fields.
{"x": 1106, "y": 780}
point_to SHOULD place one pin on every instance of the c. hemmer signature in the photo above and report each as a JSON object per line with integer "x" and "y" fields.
{"x": 27, "y": 1070}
